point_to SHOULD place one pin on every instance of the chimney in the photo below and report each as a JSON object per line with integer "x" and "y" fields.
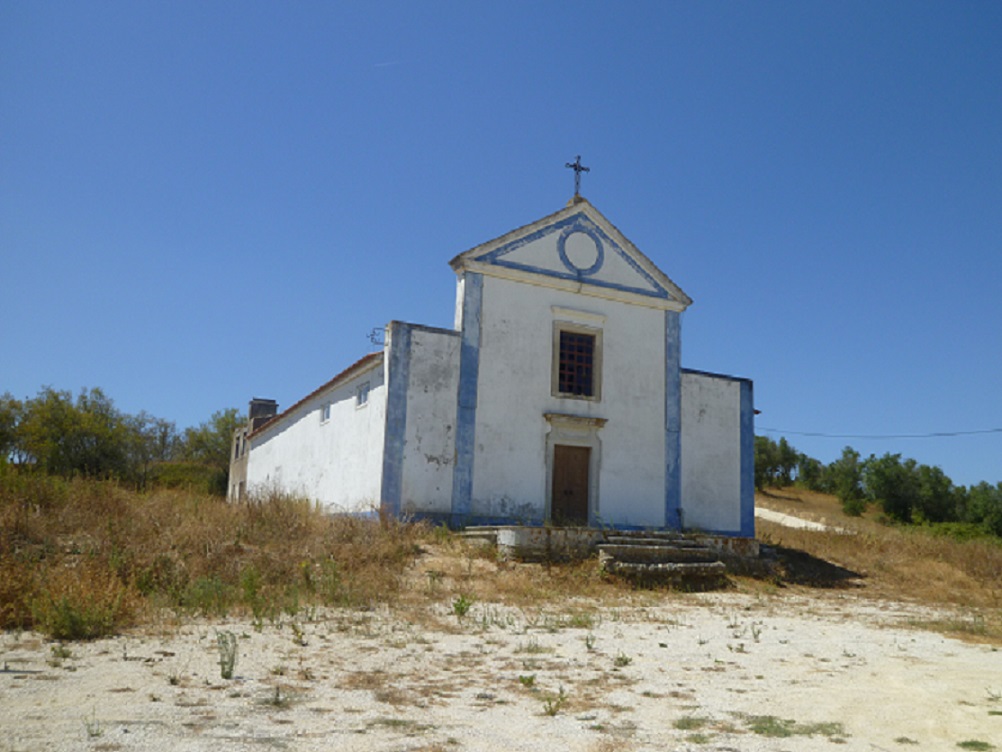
{"x": 261, "y": 411}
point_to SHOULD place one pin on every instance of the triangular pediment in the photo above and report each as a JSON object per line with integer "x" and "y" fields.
{"x": 576, "y": 248}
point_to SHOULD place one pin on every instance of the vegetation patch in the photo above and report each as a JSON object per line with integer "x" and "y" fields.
{"x": 691, "y": 723}
{"x": 82, "y": 559}
{"x": 772, "y": 726}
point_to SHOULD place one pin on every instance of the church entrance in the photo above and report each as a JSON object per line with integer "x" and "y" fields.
{"x": 569, "y": 493}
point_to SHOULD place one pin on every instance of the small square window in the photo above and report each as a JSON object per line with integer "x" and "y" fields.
{"x": 362, "y": 395}
{"x": 325, "y": 412}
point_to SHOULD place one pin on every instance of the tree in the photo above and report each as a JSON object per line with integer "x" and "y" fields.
{"x": 11, "y": 412}
{"x": 151, "y": 441}
{"x": 766, "y": 462}
{"x": 209, "y": 444}
{"x": 984, "y": 507}
{"x": 86, "y": 437}
{"x": 810, "y": 473}
{"x": 845, "y": 479}
{"x": 936, "y": 500}
{"x": 786, "y": 462}
{"x": 892, "y": 483}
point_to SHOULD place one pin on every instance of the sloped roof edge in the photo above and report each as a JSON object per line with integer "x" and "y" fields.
{"x": 362, "y": 364}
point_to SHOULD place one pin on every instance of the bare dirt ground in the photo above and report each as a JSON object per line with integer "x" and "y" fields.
{"x": 774, "y": 670}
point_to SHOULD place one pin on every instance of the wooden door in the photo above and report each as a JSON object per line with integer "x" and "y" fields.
{"x": 569, "y": 499}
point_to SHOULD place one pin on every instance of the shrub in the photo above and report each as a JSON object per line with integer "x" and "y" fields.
{"x": 81, "y": 603}
{"x": 209, "y": 596}
{"x": 854, "y": 506}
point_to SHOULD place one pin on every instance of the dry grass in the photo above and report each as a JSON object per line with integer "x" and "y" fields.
{"x": 81, "y": 558}
{"x": 90, "y": 551}
{"x": 453, "y": 567}
{"x": 884, "y": 561}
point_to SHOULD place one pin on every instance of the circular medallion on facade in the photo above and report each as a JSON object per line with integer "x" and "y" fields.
{"x": 580, "y": 250}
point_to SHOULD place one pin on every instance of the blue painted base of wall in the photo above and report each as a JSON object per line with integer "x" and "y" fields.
{"x": 454, "y": 522}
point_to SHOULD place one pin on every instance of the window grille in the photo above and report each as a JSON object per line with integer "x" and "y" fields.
{"x": 576, "y": 373}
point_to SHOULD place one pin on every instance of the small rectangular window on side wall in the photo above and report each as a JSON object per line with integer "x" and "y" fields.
{"x": 362, "y": 395}
{"x": 325, "y": 412}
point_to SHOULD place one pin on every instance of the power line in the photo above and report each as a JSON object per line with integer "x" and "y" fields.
{"x": 934, "y": 435}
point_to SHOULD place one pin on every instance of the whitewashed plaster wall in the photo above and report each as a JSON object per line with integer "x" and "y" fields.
{"x": 711, "y": 452}
{"x": 430, "y": 430}
{"x": 514, "y": 393}
{"x": 337, "y": 462}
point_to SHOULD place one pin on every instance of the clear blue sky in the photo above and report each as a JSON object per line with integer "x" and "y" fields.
{"x": 201, "y": 202}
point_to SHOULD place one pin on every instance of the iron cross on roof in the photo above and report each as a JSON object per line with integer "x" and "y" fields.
{"x": 578, "y": 169}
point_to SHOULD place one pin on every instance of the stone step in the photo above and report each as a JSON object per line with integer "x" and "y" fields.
{"x": 664, "y": 534}
{"x": 480, "y": 534}
{"x": 652, "y": 554}
{"x": 676, "y": 573}
{"x": 653, "y": 540}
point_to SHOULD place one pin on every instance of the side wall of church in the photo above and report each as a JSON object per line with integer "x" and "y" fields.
{"x": 430, "y": 429}
{"x": 717, "y": 452}
{"x": 515, "y": 393}
{"x": 329, "y": 448}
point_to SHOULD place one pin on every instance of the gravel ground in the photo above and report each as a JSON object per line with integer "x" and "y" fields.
{"x": 693, "y": 672}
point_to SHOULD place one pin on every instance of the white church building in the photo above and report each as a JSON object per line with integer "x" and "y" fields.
{"x": 558, "y": 397}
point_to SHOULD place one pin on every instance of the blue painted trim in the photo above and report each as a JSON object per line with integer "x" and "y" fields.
{"x": 397, "y": 382}
{"x": 573, "y": 268}
{"x": 747, "y": 460}
{"x": 673, "y": 421}
{"x": 466, "y": 400}
{"x": 576, "y": 223}
{"x": 441, "y": 518}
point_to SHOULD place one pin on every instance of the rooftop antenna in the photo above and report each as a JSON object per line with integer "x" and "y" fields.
{"x": 578, "y": 169}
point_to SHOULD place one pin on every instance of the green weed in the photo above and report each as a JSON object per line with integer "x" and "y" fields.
{"x": 553, "y": 703}
{"x": 227, "y": 642}
{"x": 461, "y": 606}
{"x": 93, "y": 726}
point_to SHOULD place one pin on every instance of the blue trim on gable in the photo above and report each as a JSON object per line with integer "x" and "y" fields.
{"x": 576, "y": 223}
{"x": 673, "y": 421}
{"x": 397, "y": 382}
{"x": 747, "y": 460}
{"x": 466, "y": 400}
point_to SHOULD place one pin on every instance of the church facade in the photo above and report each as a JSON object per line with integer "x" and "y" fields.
{"x": 557, "y": 397}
